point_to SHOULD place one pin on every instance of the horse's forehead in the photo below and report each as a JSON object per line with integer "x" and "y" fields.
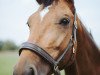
{"x": 44, "y": 12}
{"x": 54, "y": 10}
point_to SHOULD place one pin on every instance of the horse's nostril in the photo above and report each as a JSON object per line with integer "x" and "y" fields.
{"x": 32, "y": 71}
{"x": 29, "y": 71}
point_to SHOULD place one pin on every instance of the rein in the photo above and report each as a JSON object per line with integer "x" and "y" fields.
{"x": 42, "y": 53}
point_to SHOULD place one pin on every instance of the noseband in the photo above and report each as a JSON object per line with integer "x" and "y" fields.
{"x": 43, "y": 54}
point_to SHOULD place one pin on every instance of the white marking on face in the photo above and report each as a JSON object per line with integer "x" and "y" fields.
{"x": 44, "y": 12}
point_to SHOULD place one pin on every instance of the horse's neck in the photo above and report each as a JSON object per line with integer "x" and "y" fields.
{"x": 87, "y": 54}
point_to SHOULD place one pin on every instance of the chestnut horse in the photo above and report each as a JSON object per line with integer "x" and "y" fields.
{"x": 58, "y": 40}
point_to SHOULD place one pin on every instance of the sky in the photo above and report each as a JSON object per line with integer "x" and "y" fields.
{"x": 15, "y": 13}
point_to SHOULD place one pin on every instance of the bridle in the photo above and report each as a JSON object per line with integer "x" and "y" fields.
{"x": 41, "y": 52}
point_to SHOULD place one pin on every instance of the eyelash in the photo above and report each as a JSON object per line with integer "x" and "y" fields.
{"x": 64, "y": 21}
{"x": 28, "y": 24}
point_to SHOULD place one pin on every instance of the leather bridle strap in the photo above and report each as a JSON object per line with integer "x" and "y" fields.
{"x": 41, "y": 52}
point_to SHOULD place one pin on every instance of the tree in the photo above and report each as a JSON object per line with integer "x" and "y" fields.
{"x": 1, "y": 45}
{"x": 8, "y": 45}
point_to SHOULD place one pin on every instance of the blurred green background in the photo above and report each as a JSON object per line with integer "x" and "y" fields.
{"x": 8, "y": 57}
{"x": 7, "y": 62}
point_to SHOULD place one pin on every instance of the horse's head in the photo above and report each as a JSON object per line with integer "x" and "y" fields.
{"x": 50, "y": 29}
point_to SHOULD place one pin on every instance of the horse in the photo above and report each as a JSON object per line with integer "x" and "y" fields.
{"x": 58, "y": 40}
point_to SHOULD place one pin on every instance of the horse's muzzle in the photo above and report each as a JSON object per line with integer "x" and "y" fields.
{"x": 26, "y": 71}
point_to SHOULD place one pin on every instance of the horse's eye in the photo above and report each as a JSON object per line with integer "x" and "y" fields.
{"x": 28, "y": 24}
{"x": 64, "y": 21}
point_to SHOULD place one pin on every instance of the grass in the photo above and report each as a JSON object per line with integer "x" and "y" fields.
{"x": 7, "y": 62}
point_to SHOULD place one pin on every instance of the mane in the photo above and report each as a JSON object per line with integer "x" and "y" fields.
{"x": 45, "y": 2}
{"x": 91, "y": 35}
{"x": 88, "y": 36}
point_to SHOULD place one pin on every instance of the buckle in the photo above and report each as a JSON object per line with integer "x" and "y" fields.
{"x": 56, "y": 70}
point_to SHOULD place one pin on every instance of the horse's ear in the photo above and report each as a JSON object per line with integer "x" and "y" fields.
{"x": 71, "y": 5}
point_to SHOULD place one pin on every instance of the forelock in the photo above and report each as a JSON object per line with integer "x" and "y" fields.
{"x": 45, "y": 2}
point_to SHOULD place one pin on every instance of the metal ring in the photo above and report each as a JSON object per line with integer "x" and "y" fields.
{"x": 55, "y": 68}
